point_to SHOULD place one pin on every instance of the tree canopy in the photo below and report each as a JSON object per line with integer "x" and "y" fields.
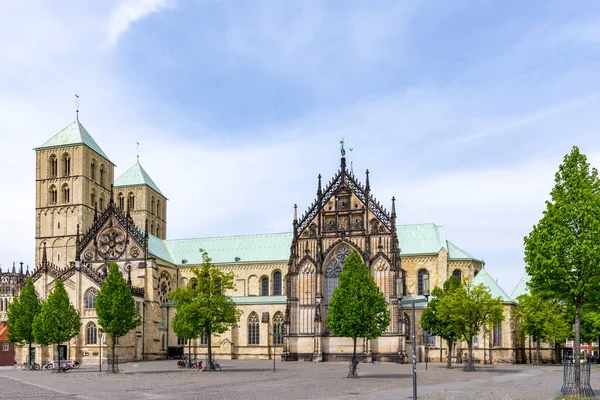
{"x": 58, "y": 321}
{"x": 115, "y": 307}
{"x": 357, "y": 307}
{"x": 204, "y": 307}
{"x": 470, "y": 307}
{"x": 432, "y": 321}
{"x": 21, "y": 314}
{"x": 562, "y": 252}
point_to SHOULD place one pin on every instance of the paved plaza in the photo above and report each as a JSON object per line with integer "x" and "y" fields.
{"x": 252, "y": 379}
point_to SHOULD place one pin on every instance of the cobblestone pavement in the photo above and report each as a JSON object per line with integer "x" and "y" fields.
{"x": 254, "y": 379}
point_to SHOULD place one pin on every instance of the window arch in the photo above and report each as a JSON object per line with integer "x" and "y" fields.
{"x": 91, "y": 336}
{"x": 278, "y": 328}
{"x": 152, "y": 202}
{"x": 253, "y": 330}
{"x": 90, "y": 299}
{"x": 152, "y": 228}
{"x": 158, "y": 208}
{"x": 158, "y": 230}
{"x": 264, "y": 286}
{"x": 131, "y": 201}
{"x": 334, "y": 267}
{"x": 53, "y": 194}
{"x": 420, "y": 287}
{"x": 193, "y": 282}
{"x": 406, "y": 327}
{"x": 93, "y": 170}
{"x": 93, "y": 198}
{"x": 101, "y": 203}
{"x": 101, "y": 174}
{"x": 497, "y": 333}
{"x": 66, "y": 160}
{"x": 403, "y": 282}
{"x": 53, "y": 166}
{"x": 66, "y": 194}
{"x": 277, "y": 283}
{"x": 457, "y": 274}
{"x": 121, "y": 199}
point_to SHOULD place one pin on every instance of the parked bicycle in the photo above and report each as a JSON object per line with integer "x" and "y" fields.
{"x": 48, "y": 366}
{"x": 30, "y": 367}
{"x": 185, "y": 364}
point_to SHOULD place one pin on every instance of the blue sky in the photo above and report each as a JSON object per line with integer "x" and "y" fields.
{"x": 461, "y": 109}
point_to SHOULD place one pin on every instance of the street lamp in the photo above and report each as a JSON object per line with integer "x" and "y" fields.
{"x": 400, "y": 294}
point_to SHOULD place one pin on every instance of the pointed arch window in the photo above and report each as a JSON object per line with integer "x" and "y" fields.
{"x": 403, "y": 282}
{"x": 131, "y": 201}
{"x": 53, "y": 194}
{"x": 152, "y": 228}
{"x": 253, "y": 329}
{"x": 101, "y": 175}
{"x": 152, "y": 202}
{"x": 457, "y": 274}
{"x": 53, "y": 161}
{"x": 420, "y": 284}
{"x": 66, "y": 159}
{"x": 91, "y": 336}
{"x": 497, "y": 333}
{"x": 264, "y": 286}
{"x": 158, "y": 230}
{"x": 278, "y": 329}
{"x": 277, "y": 283}
{"x": 93, "y": 198}
{"x": 334, "y": 267}
{"x": 101, "y": 203}
{"x": 90, "y": 299}
{"x": 66, "y": 194}
{"x": 93, "y": 170}
{"x": 121, "y": 200}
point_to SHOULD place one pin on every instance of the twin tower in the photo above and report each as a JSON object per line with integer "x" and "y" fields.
{"x": 75, "y": 183}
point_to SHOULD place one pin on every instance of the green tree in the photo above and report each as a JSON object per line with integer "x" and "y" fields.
{"x": 115, "y": 307}
{"x": 471, "y": 308}
{"x": 357, "y": 307}
{"x": 432, "y": 322}
{"x": 21, "y": 313}
{"x": 205, "y": 308}
{"x": 562, "y": 252}
{"x": 543, "y": 320}
{"x": 58, "y": 321}
{"x": 590, "y": 324}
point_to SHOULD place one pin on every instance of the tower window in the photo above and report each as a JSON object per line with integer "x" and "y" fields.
{"x": 66, "y": 194}
{"x": 277, "y": 284}
{"x": 93, "y": 199}
{"x": 102, "y": 175}
{"x": 101, "y": 202}
{"x": 66, "y": 165}
{"x": 131, "y": 201}
{"x": 158, "y": 208}
{"x": 53, "y": 166}
{"x": 53, "y": 195}
{"x": 121, "y": 201}
{"x": 93, "y": 171}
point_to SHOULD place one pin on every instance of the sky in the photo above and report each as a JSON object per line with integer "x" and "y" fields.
{"x": 462, "y": 110}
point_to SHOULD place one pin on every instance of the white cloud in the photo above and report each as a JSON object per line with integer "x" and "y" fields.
{"x": 130, "y": 11}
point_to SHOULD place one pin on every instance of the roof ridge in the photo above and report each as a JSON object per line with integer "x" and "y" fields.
{"x": 228, "y": 236}
{"x": 483, "y": 273}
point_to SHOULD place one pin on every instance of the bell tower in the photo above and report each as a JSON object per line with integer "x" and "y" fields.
{"x": 73, "y": 178}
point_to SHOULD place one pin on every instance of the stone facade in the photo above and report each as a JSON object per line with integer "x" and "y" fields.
{"x": 83, "y": 224}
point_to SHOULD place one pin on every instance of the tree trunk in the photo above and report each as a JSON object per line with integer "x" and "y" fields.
{"x": 530, "y": 358}
{"x": 112, "y": 349}
{"x": 449, "y": 357}
{"x": 189, "y": 351}
{"x": 29, "y": 355}
{"x": 470, "y": 365}
{"x": 57, "y": 349}
{"x": 353, "y": 363}
{"x": 576, "y": 355}
{"x": 538, "y": 350}
{"x": 556, "y": 352}
{"x": 209, "y": 364}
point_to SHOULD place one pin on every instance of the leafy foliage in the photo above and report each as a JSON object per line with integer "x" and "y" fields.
{"x": 58, "y": 321}
{"x": 21, "y": 313}
{"x": 432, "y": 321}
{"x": 470, "y": 308}
{"x": 544, "y": 320}
{"x": 357, "y": 307}
{"x": 562, "y": 252}
{"x": 204, "y": 308}
{"x": 115, "y": 307}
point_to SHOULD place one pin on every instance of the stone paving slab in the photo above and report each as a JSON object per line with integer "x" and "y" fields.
{"x": 254, "y": 379}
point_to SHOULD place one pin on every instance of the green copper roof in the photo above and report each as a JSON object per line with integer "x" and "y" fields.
{"x": 136, "y": 176}
{"x": 421, "y": 239}
{"x": 521, "y": 287}
{"x": 275, "y": 247}
{"x": 157, "y": 247}
{"x": 225, "y": 249}
{"x": 490, "y": 283}
{"x": 73, "y": 134}
{"x": 456, "y": 253}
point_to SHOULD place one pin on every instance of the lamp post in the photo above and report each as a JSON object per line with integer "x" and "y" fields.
{"x": 400, "y": 293}
{"x": 101, "y": 337}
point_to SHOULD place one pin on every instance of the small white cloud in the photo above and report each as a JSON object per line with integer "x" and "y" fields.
{"x": 130, "y": 11}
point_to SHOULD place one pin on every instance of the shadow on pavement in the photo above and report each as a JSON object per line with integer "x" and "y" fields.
{"x": 385, "y": 376}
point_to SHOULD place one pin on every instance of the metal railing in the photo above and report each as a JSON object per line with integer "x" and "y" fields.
{"x": 569, "y": 377}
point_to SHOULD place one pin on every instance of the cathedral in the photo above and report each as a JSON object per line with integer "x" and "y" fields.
{"x": 87, "y": 219}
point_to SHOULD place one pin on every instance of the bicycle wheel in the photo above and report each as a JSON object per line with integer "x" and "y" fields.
{"x": 24, "y": 367}
{"x": 36, "y": 366}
